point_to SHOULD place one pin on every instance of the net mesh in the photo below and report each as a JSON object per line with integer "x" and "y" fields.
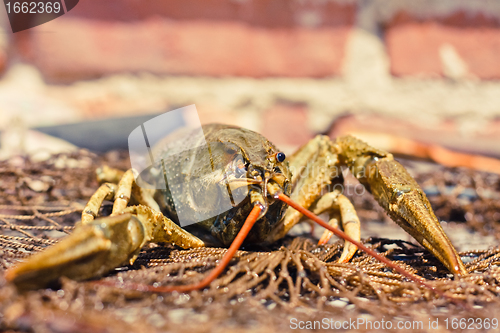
{"x": 263, "y": 289}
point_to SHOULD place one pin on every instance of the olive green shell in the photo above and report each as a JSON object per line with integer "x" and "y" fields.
{"x": 196, "y": 171}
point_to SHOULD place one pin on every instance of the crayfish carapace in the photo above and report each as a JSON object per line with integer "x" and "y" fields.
{"x": 271, "y": 183}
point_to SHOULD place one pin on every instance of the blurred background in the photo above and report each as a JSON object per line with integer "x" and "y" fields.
{"x": 420, "y": 78}
{"x": 388, "y": 71}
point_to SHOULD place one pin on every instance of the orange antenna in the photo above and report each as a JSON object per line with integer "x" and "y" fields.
{"x": 235, "y": 245}
{"x": 369, "y": 251}
{"x": 242, "y": 234}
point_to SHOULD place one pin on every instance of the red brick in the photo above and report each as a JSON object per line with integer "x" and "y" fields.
{"x": 3, "y": 60}
{"x": 458, "y": 19}
{"x": 79, "y": 48}
{"x": 285, "y": 124}
{"x": 264, "y": 13}
{"x": 5, "y": 47}
{"x": 256, "y": 38}
{"x": 413, "y": 46}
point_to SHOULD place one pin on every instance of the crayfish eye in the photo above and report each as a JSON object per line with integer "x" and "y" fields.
{"x": 280, "y": 157}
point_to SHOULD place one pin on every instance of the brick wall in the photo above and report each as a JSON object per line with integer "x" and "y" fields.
{"x": 287, "y": 68}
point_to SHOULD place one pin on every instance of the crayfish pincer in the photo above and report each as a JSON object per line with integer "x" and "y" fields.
{"x": 268, "y": 193}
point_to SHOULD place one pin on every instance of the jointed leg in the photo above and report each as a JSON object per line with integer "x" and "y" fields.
{"x": 314, "y": 167}
{"x": 110, "y": 175}
{"x": 317, "y": 163}
{"x": 158, "y": 227}
{"x": 107, "y": 191}
{"x": 98, "y": 246}
{"x": 122, "y": 196}
{"x": 162, "y": 229}
{"x": 400, "y": 195}
{"x": 120, "y": 193}
{"x": 104, "y": 192}
{"x": 350, "y": 222}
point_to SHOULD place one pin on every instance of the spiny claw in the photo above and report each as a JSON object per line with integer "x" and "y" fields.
{"x": 407, "y": 204}
{"x": 91, "y": 250}
{"x": 401, "y": 197}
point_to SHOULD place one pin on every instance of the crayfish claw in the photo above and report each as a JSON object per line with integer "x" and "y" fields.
{"x": 400, "y": 195}
{"x": 92, "y": 250}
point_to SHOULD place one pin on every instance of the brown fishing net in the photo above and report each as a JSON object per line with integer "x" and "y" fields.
{"x": 292, "y": 284}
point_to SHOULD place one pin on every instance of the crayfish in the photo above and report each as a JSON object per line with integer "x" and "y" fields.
{"x": 275, "y": 193}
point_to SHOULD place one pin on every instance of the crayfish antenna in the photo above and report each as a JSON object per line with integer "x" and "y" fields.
{"x": 254, "y": 215}
{"x": 365, "y": 249}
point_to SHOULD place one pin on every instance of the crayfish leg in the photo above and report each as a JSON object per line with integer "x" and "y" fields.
{"x": 313, "y": 168}
{"x": 350, "y": 221}
{"x": 97, "y": 247}
{"x": 159, "y": 228}
{"x": 93, "y": 249}
{"x": 400, "y": 195}
{"x": 104, "y": 192}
